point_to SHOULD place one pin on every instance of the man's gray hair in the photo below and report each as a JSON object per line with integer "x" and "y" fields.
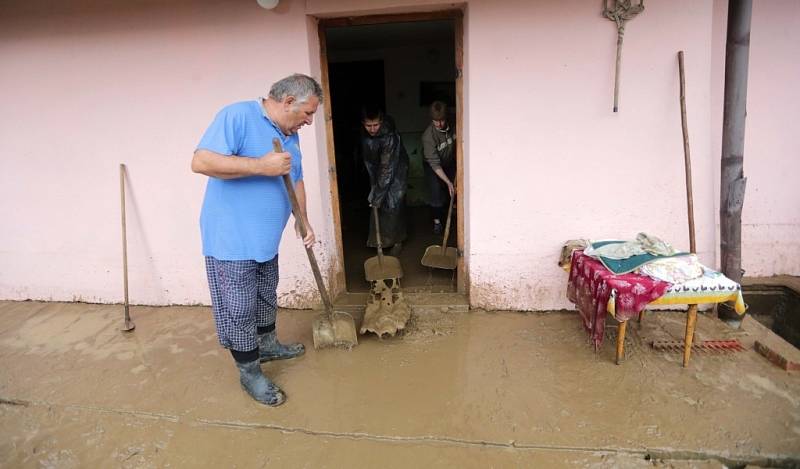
{"x": 298, "y": 85}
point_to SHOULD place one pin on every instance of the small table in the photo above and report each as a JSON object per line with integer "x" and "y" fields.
{"x": 598, "y": 292}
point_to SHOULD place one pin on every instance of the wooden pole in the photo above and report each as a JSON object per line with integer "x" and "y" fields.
{"x": 691, "y": 315}
{"x": 128, "y": 325}
{"x": 686, "y": 156}
{"x": 124, "y": 234}
{"x": 732, "y": 180}
{"x": 622, "y": 12}
{"x": 620, "y": 35}
{"x": 621, "y": 340}
{"x": 688, "y": 339}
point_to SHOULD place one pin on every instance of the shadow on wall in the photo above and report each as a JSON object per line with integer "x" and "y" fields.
{"x": 146, "y": 274}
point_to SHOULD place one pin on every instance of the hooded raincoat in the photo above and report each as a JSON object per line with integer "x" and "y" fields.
{"x": 387, "y": 164}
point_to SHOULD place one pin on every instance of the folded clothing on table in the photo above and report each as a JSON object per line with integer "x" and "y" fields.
{"x": 621, "y": 257}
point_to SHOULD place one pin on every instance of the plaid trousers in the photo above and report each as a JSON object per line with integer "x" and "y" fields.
{"x": 243, "y": 296}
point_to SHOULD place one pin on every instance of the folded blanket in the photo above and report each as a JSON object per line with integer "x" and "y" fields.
{"x": 676, "y": 269}
{"x": 623, "y": 266}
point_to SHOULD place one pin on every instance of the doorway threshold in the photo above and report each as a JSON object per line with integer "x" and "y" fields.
{"x": 452, "y": 302}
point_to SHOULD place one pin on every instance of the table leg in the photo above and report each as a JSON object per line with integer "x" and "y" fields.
{"x": 621, "y": 340}
{"x": 641, "y": 315}
{"x": 691, "y": 321}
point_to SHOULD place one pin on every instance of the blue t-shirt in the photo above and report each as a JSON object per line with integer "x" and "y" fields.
{"x": 243, "y": 219}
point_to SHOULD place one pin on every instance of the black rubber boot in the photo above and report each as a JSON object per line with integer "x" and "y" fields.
{"x": 259, "y": 386}
{"x": 270, "y": 349}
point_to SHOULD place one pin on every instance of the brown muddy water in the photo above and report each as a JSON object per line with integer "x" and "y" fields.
{"x": 477, "y": 389}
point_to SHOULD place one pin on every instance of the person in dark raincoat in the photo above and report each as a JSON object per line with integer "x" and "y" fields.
{"x": 385, "y": 157}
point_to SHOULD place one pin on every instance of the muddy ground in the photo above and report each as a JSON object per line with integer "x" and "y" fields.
{"x": 477, "y": 389}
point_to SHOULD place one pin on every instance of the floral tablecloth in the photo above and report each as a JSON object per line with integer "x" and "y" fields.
{"x": 593, "y": 288}
{"x": 598, "y": 292}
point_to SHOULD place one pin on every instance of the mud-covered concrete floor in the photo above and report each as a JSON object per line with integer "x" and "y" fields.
{"x": 478, "y": 389}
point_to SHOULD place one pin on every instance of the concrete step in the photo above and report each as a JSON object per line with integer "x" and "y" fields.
{"x": 452, "y": 302}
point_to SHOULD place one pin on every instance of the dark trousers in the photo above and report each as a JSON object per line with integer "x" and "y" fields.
{"x": 438, "y": 195}
{"x": 243, "y": 298}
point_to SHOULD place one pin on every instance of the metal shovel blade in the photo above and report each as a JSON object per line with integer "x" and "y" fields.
{"x": 336, "y": 329}
{"x": 435, "y": 258}
{"x": 129, "y": 325}
{"x": 382, "y": 268}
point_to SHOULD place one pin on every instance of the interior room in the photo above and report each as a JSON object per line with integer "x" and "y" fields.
{"x": 400, "y": 68}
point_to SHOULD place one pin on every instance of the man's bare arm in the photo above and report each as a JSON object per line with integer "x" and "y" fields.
{"x": 300, "y": 191}
{"x": 231, "y": 167}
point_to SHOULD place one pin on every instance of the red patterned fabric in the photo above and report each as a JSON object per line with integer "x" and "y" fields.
{"x": 591, "y": 285}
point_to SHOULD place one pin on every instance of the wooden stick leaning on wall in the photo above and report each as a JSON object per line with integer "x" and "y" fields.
{"x": 687, "y": 156}
{"x": 691, "y": 318}
{"x": 128, "y": 326}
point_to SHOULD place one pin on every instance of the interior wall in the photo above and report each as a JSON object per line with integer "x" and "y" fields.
{"x": 404, "y": 68}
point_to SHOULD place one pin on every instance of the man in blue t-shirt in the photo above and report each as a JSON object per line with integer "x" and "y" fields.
{"x": 244, "y": 212}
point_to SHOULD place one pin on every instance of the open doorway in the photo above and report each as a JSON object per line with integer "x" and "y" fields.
{"x": 400, "y": 67}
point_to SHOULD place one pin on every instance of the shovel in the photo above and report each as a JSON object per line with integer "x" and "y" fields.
{"x": 386, "y": 312}
{"x": 381, "y": 267}
{"x": 129, "y": 325}
{"x": 442, "y": 257}
{"x": 331, "y": 328}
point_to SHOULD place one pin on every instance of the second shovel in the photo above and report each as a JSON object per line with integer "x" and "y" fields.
{"x": 442, "y": 257}
{"x": 381, "y": 267}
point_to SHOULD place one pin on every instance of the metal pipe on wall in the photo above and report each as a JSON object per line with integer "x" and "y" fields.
{"x": 732, "y": 180}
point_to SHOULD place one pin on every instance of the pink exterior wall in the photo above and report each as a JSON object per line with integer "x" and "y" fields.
{"x": 98, "y": 84}
{"x": 558, "y": 162}
{"x": 771, "y": 214}
{"x": 546, "y": 160}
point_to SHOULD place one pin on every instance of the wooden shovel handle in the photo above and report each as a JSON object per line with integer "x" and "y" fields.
{"x": 447, "y": 226}
{"x": 378, "y": 234}
{"x": 124, "y": 239}
{"x": 298, "y": 215}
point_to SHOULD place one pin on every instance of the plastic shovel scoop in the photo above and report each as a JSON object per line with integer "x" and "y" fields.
{"x": 442, "y": 257}
{"x": 331, "y": 328}
{"x": 381, "y": 267}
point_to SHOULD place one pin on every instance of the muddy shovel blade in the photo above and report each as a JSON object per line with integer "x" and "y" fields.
{"x": 439, "y": 257}
{"x": 337, "y": 329}
{"x": 382, "y": 268}
{"x": 129, "y": 325}
{"x": 435, "y": 258}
